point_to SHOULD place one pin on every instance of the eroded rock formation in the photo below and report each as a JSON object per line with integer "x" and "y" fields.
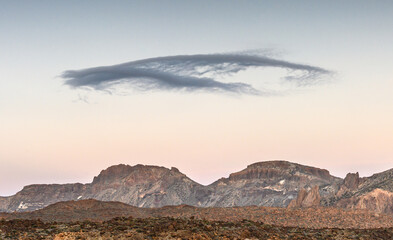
{"x": 271, "y": 183}
{"x": 306, "y": 199}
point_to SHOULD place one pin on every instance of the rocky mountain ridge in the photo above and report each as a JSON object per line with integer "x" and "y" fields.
{"x": 270, "y": 183}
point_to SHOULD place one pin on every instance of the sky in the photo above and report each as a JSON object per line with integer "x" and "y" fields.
{"x": 205, "y": 86}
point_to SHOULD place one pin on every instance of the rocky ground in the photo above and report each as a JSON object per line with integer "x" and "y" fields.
{"x": 175, "y": 228}
{"x": 318, "y": 217}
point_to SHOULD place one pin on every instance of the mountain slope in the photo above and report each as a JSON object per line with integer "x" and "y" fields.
{"x": 374, "y": 193}
{"x": 140, "y": 185}
{"x": 37, "y": 196}
{"x": 4, "y": 203}
{"x": 270, "y": 183}
{"x": 144, "y": 186}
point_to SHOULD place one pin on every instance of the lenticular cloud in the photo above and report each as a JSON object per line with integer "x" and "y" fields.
{"x": 188, "y": 73}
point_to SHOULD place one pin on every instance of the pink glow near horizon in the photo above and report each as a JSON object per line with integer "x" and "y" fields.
{"x": 51, "y": 133}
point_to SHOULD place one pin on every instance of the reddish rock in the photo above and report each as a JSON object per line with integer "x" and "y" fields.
{"x": 379, "y": 201}
{"x": 306, "y": 199}
{"x": 316, "y": 217}
{"x": 270, "y": 183}
{"x": 352, "y": 181}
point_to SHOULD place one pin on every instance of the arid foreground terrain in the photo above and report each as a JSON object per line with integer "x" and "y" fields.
{"x": 175, "y": 228}
{"x": 92, "y": 219}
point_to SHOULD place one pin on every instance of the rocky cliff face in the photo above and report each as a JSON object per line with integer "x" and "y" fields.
{"x": 272, "y": 183}
{"x": 373, "y": 193}
{"x": 378, "y": 200}
{"x": 140, "y": 185}
{"x": 145, "y": 186}
{"x": 4, "y": 202}
{"x": 37, "y": 196}
{"x": 306, "y": 199}
{"x": 352, "y": 181}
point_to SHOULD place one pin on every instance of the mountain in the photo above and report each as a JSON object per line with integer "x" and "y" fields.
{"x": 374, "y": 193}
{"x": 37, "y": 196}
{"x": 140, "y": 185}
{"x": 270, "y": 183}
{"x": 145, "y": 186}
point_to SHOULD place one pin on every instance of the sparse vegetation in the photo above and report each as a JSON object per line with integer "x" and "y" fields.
{"x": 175, "y": 228}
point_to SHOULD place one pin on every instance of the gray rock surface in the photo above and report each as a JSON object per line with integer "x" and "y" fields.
{"x": 270, "y": 183}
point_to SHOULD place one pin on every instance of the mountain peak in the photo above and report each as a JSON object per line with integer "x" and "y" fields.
{"x": 135, "y": 173}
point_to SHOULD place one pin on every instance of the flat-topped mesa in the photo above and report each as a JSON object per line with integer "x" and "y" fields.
{"x": 270, "y": 183}
{"x": 280, "y": 169}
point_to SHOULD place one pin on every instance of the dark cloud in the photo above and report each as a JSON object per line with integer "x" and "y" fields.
{"x": 188, "y": 73}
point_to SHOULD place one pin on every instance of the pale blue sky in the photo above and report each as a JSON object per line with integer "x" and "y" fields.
{"x": 46, "y": 135}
